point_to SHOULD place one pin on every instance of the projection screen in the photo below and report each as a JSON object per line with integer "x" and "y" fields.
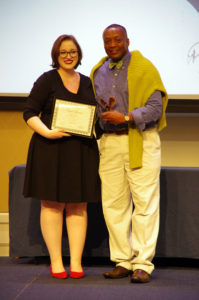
{"x": 165, "y": 31}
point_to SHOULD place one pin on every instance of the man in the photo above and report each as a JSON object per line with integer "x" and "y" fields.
{"x": 132, "y": 102}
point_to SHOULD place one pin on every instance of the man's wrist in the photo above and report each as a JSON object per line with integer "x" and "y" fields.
{"x": 128, "y": 118}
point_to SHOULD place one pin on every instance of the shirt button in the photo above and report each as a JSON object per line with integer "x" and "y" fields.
{"x": 114, "y": 86}
{"x": 115, "y": 74}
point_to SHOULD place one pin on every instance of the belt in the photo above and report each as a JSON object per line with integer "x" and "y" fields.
{"x": 118, "y": 132}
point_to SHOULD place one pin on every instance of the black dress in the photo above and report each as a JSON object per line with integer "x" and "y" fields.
{"x": 66, "y": 169}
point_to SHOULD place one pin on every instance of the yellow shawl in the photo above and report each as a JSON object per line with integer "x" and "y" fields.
{"x": 143, "y": 79}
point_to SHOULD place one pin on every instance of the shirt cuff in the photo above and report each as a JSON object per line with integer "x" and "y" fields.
{"x": 138, "y": 119}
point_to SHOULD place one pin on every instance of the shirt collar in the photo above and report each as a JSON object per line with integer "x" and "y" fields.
{"x": 125, "y": 59}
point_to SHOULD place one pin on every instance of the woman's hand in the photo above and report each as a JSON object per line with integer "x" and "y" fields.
{"x": 56, "y": 134}
{"x": 38, "y": 126}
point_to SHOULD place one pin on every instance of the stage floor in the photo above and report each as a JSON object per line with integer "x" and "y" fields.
{"x": 28, "y": 278}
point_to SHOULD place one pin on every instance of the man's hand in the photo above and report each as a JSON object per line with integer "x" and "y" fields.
{"x": 113, "y": 117}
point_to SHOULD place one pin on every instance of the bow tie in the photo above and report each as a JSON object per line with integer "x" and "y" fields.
{"x": 117, "y": 64}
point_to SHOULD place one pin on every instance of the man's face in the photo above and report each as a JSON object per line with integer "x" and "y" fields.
{"x": 115, "y": 43}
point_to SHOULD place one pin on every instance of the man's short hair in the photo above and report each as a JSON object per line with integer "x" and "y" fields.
{"x": 116, "y": 26}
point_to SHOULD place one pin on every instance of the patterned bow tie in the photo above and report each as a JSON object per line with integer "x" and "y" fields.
{"x": 117, "y": 64}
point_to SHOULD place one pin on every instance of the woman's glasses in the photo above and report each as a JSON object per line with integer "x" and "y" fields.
{"x": 72, "y": 53}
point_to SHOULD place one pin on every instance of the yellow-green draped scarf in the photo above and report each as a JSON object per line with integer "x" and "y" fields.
{"x": 143, "y": 79}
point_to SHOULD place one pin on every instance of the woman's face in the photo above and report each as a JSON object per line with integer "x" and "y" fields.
{"x": 68, "y": 55}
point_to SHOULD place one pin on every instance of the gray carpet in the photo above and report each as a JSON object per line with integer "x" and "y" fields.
{"x": 26, "y": 278}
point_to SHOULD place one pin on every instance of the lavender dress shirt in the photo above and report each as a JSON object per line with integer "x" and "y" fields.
{"x": 112, "y": 82}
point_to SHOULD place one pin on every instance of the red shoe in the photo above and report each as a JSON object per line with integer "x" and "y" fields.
{"x": 61, "y": 275}
{"x": 76, "y": 275}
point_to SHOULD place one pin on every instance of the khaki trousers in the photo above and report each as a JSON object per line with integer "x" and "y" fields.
{"x": 130, "y": 199}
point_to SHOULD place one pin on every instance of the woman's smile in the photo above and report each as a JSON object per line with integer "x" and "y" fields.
{"x": 68, "y": 61}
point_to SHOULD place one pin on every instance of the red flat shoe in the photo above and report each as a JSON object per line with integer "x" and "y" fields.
{"x": 76, "y": 275}
{"x": 61, "y": 275}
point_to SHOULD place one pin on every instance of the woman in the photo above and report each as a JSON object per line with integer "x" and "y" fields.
{"x": 62, "y": 169}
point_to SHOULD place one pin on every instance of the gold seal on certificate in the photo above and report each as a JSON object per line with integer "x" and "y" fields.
{"x": 75, "y": 118}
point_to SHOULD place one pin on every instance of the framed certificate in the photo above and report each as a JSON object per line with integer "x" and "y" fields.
{"x": 75, "y": 118}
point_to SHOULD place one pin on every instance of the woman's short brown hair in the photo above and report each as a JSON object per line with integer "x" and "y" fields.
{"x": 56, "y": 47}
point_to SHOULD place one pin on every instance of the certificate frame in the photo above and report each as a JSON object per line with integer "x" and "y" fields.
{"x": 74, "y": 117}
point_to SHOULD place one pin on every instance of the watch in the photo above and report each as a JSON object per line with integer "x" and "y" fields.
{"x": 126, "y": 117}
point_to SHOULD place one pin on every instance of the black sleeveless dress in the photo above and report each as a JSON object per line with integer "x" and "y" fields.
{"x": 63, "y": 170}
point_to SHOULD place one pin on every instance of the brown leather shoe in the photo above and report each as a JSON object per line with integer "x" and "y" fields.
{"x": 118, "y": 272}
{"x": 140, "y": 276}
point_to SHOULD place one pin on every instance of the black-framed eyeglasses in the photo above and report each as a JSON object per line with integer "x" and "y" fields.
{"x": 72, "y": 53}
